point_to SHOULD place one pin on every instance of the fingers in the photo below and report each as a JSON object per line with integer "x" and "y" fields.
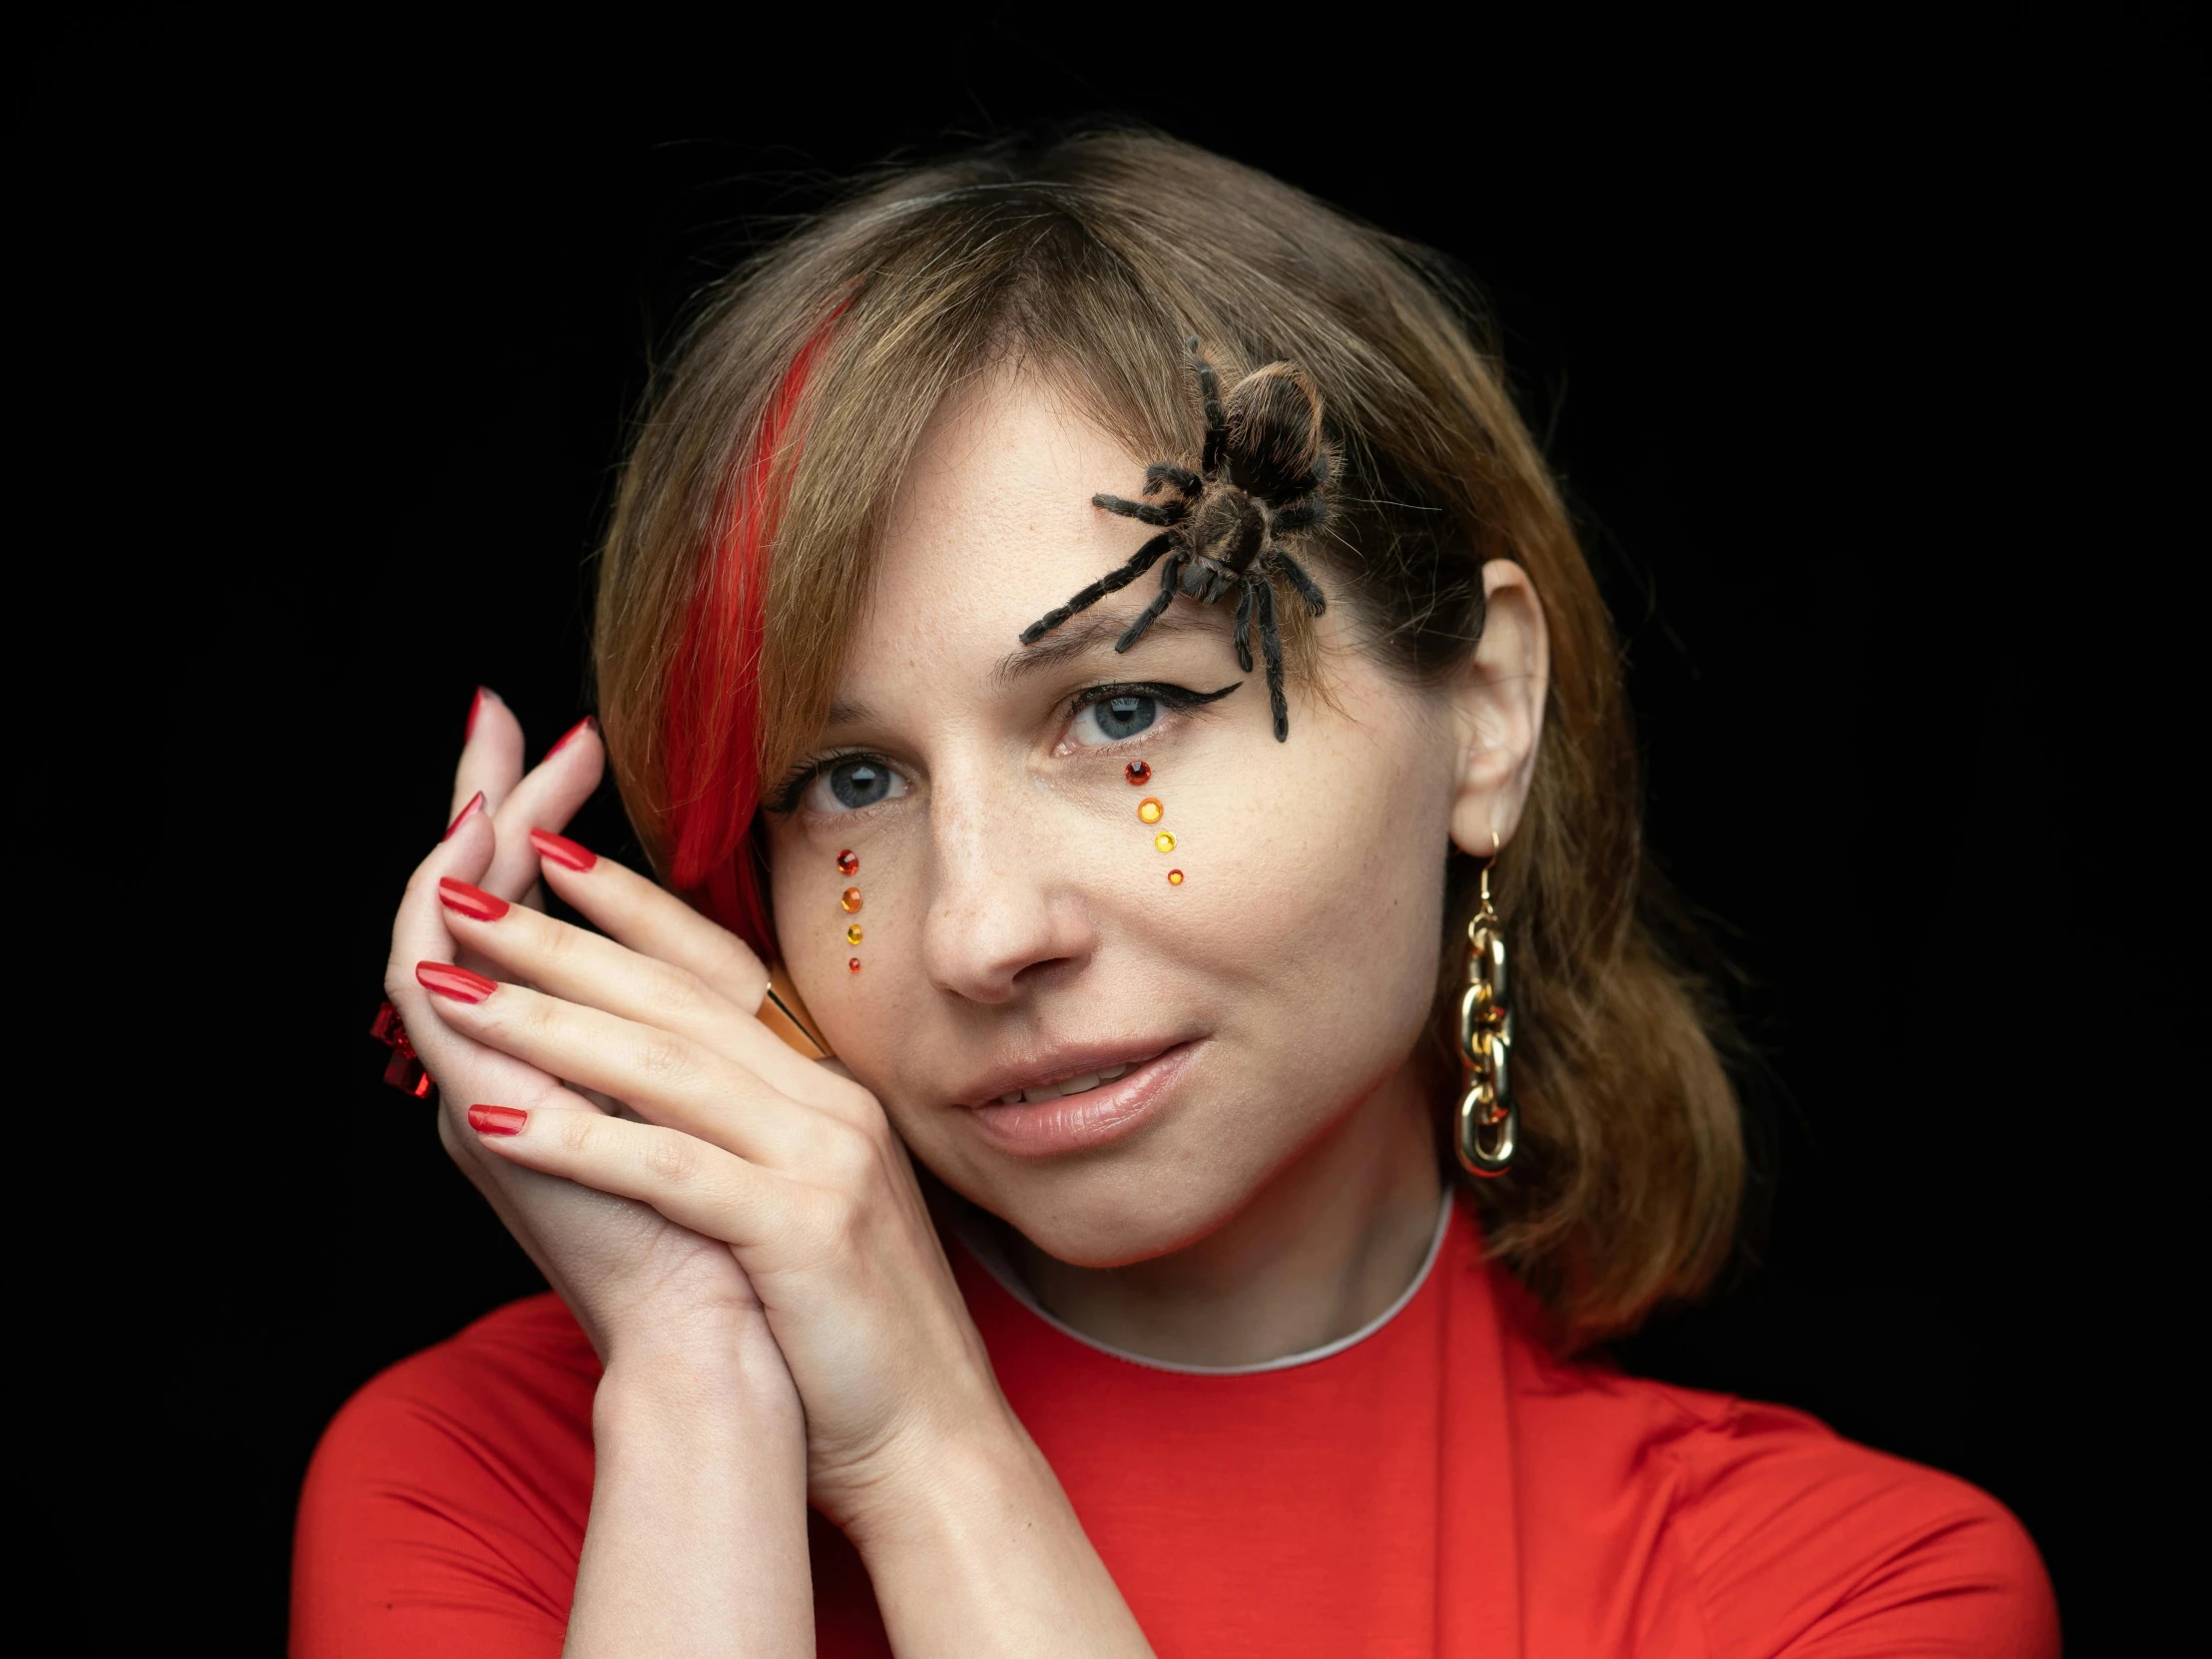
{"x": 664, "y": 1077}
{"x": 491, "y": 753}
{"x": 651, "y": 920}
{"x": 465, "y": 1068}
{"x": 587, "y": 968}
{"x": 546, "y": 797}
{"x": 693, "y": 1184}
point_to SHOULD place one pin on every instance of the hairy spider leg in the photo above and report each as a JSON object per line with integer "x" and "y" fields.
{"x": 1217, "y": 422}
{"x": 1167, "y": 472}
{"x": 1139, "y": 562}
{"x": 1166, "y": 512}
{"x": 1241, "y": 629}
{"x": 1302, "y": 514}
{"x": 1169, "y": 572}
{"x": 1271, "y": 647}
{"x": 1308, "y": 589}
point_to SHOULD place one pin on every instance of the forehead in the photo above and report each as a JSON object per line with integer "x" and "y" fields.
{"x": 993, "y": 525}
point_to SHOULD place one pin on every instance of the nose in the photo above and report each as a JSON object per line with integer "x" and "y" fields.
{"x": 1002, "y": 918}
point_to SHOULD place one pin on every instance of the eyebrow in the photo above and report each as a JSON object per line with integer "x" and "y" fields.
{"x": 1085, "y": 633}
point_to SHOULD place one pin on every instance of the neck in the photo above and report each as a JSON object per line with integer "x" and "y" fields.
{"x": 1323, "y": 1249}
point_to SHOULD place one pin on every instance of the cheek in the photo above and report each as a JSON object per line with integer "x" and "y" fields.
{"x": 842, "y": 900}
{"x": 1323, "y": 902}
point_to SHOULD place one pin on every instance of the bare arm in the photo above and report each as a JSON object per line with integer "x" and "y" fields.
{"x": 697, "y": 1542}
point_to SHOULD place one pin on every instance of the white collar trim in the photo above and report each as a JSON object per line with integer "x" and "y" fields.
{"x": 985, "y": 1248}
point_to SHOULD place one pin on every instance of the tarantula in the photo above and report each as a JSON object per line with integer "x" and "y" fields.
{"x": 1262, "y": 475}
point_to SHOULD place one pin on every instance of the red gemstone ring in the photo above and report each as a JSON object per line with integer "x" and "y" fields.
{"x": 404, "y": 1070}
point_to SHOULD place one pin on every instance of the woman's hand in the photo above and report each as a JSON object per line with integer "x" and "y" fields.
{"x": 696, "y": 1539}
{"x": 791, "y": 1164}
{"x": 631, "y": 1277}
{"x": 970, "y": 1545}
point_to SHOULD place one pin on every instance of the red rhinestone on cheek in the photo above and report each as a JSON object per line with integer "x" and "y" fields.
{"x": 849, "y": 862}
{"x": 853, "y": 965}
{"x": 1138, "y": 773}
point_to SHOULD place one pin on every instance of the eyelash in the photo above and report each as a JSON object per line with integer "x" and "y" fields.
{"x": 1178, "y": 697}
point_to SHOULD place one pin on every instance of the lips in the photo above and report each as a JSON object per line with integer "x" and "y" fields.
{"x": 1063, "y": 1070}
{"x": 1061, "y": 1111}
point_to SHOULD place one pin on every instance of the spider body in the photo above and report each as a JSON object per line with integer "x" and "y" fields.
{"x": 1263, "y": 475}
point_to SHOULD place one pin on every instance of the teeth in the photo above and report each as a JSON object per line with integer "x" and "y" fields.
{"x": 1073, "y": 1085}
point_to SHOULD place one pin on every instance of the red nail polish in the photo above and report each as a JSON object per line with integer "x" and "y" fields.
{"x": 472, "y": 903}
{"x": 455, "y": 982}
{"x": 475, "y": 804}
{"x": 563, "y": 852}
{"x": 497, "y": 1120}
{"x": 587, "y": 724}
{"x": 484, "y": 694}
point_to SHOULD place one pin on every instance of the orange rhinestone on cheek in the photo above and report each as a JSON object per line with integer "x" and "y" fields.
{"x": 1138, "y": 773}
{"x": 852, "y": 898}
{"x": 1175, "y": 878}
{"x": 1150, "y": 809}
{"x": 849, "y": 862}
{"x": 853, "y": 965}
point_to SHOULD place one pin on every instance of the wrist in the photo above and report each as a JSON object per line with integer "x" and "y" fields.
{"x": 656, "y": 1377}
{"x": 929, "y": 1493}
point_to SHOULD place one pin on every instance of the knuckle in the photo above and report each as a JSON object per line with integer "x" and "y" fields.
{"x": 851, "y": 1153}
{"x": 665, "y": 1058}
{"x": 674, "y": 993}
{"x": 579, "y": 1133}
{"x": 555, "y": 943}
{"x": 739, "y": 970}
{"x": 671, "y": 1157}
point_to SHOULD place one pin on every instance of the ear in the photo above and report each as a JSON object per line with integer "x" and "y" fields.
{"x": 1498, "y": 702}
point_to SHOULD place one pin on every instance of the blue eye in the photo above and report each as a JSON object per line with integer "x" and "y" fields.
{"x": 849, "y": 785}
{"x": 1113, "y": 718}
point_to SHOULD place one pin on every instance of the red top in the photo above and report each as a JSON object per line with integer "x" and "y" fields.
{"x": 1440, "y": 1485}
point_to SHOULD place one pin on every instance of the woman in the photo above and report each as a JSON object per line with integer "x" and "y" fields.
{"x": 1093, "y": 618}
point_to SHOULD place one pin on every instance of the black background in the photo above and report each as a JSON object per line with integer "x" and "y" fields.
{"x": 1852, "y": 349}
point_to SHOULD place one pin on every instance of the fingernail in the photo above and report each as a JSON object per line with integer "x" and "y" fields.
{"x": 563, "y": 852}
{"x": 587, "y": 724}
{"x": 455, "y": 982}
{"x": 484, "y": 694}
{"x": 472, "y": 903}
{"x": 497, "y": 1120}
{"x": 475, "y": 804}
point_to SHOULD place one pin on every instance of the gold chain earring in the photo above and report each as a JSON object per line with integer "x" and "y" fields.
{"x": 1489, "y": 1121}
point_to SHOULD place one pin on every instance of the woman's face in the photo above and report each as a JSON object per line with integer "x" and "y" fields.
{"x": 1019, "y": 933}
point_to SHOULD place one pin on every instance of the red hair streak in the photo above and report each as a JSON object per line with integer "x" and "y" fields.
{"x": 713, "y": 704}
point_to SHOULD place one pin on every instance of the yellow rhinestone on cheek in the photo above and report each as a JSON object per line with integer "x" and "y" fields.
{"x": 1150, "y": 809}
{"x": 1163, "y": 841}
{"x": 853, "y": 934}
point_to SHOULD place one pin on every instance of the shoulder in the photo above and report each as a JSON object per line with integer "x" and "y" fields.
{"x": 454, "y": 1483}
{"x": 1786, "y": 1537}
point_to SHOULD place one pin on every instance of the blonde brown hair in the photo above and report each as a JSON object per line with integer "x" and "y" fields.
{"x": 776, "y": 435}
